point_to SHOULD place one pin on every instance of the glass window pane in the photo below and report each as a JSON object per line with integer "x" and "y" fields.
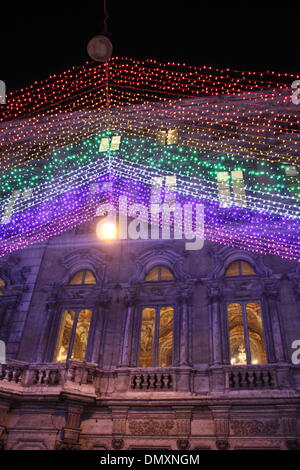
{"x": 162, "y": 137}
{"x": 233, "y": 269}
{"x": 236, "y": 334}
{"x": 81, "y": 335}
{"x": 77, "y": 278}
{"x": 115, "y": 142}
{"x": 89, "y": 278}
{"x": 223, "y": 188}
{"x": 104, "y": 144}
{"x": 165, "y": 274}
{"x": 172, "y": 137}
{"x": 152, "y": 275}
{"x": 147, "y": 338}
{"x": 255, "y": 332}
{"x": 165, "y": 344}
{"x": 246, "y": 269}
{"x": 1, "y": 292}
{"x": 2, "y": 283}
{"x": 64, "y": 336}
{"x": 238, "y": 187}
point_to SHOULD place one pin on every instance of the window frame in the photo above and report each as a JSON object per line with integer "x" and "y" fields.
{"x": 157, "y": 307}
{"x": 243, "y": 304}
{"x": 240, "y": 274}
{"x": 84, "y": 274}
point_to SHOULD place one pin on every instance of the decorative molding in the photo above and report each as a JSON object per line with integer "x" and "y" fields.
{"x": 292, "y": 444}
{"x": 224, "y": 256}
{"x": 255, "y": 427}
{"x": 65, "y": 445}
{"x": 156, "y": 257}
{"x": 78, "y": 260}
{"x": 117, "y": 444}
{"x": 183, "y": 444}
{"x": 151, "y": 427}
{"x": 222, "y": 444}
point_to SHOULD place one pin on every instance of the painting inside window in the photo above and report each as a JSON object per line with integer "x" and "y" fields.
{"x": 236, "y": 334}
{"x": 255, "y": 333}
{"x": 156, "y": 340}
{"x": 73, "y": 335}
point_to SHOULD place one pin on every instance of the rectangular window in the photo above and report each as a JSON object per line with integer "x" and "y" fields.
{"x": 246, "y": 333}
{"x": 73, "y": 335}
{"x": 293, "y": 180}
{"x": 104, "y": 144}
{"x": 238, "y": 187}
{"x": 167, "y": 136}
{"x": 231, "y": 188}
{"x": 224, "y": 188}
{"x": 156, "y": 339}
{"x": 107, "y": 143}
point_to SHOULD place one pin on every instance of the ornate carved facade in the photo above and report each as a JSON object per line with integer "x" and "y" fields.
{"x": 215, "y": 328}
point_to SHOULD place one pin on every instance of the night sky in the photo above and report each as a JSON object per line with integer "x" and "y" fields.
{"x": 38, "y": 41}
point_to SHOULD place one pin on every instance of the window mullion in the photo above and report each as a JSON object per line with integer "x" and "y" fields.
{"x": 246, "y": 334}
{"x": 156, "y": 336}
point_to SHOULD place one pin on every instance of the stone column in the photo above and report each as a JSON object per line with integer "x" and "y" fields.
{"x": 271, "y": 293}
{"x": 128, "y": 331}
{"x": 184, "y": 302}
{"x": 104, "y": 302}
{"x": 43, "y": 345}
{"x": 214, "y": 296}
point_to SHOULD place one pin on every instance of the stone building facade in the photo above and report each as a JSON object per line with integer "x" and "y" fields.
{"x": 86, "y": 368}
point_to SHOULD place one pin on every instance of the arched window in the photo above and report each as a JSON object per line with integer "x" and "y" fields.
{"x": 246, "y": 333}
{"x": 159, "y": 273}
{"x": 73, "y": 335}
{"x": 2, "y": 284}
{"x": 83, "y": 277}
{"x": 240, "y": 268}
{"x": 156, "y": 338}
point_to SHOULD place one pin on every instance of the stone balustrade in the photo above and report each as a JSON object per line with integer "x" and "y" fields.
{"x": 153, "y": 380}
{"x": 88, "y": 379}
{"x": 251, "y": 377}
{"x": 49, "y": 374}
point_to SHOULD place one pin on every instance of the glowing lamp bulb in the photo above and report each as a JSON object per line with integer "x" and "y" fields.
{"x": 107, "y": 231}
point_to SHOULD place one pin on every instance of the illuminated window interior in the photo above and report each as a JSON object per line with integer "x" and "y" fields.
{"x": 246, "y": 338}
{"x": 73, "y": 335}
{"x": 293, "y": 180}
{"x": 223, "y": 188}
{"x": 167, "y": 136}
{"x": 237, "y": 187}
{"x": 107, "y": 143}
{"x": 240, "y": 268}
{"x": 157, "y": 184}
{"x": 159, "y": 273}
{"x": 156, "y": 341}
{"x": 2, "y": 284}
{"x": 83, "y": 277}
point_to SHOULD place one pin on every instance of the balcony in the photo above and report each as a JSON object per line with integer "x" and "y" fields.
{"x": 75, "y": 376}
{"x": 86, "y": 379}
